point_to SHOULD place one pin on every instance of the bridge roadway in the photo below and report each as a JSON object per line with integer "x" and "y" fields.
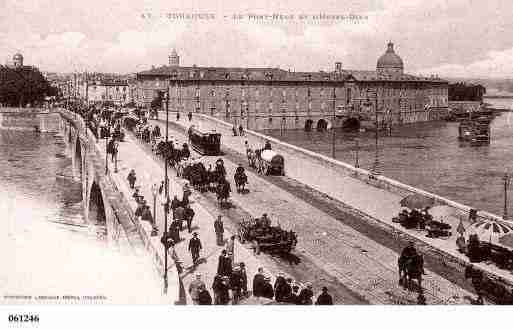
{"x": 329, "y": 251}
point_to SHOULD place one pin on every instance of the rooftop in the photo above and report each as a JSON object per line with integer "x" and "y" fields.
{"x": 272, "y": 74}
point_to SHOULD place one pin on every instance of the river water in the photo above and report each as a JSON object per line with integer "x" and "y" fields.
{"x": 46, "y": 247}
{"x": 428, "y": 156}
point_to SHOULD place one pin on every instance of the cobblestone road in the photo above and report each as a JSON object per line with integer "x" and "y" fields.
{"x": 355, "y": 260}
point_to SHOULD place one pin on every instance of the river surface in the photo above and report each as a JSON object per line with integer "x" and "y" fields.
{"x": 428, "y": 156}
{"x": 46, "y": 247}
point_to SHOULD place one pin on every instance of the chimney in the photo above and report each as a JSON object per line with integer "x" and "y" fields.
{"x": 338, "y": 67}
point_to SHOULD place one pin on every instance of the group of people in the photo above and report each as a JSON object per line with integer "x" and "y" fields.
{"x": 142, "y": 211}
{"x": 240, "y": 130}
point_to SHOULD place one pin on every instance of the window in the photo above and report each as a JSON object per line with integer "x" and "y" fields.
{"x": 323, "y": 106}
{"x": 284, "y": 93}
{"x": 197, "y": 92}
{"x": 257, "y": 93}
{"x": 321, "y": 93}
{"x": 213, "y": 93}
{"x": 308, "y": 92}
{"x": 348, "y": 95}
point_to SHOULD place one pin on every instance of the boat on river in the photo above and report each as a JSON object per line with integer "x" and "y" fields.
{"x": 475, "y": 131}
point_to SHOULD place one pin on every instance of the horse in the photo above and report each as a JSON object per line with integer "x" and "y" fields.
{"x": 411, "y": 268}
{"x": 241, "y": 180}
{"x": 223, "y": 192}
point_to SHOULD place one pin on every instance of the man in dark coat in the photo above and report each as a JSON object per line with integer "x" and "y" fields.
{"x": 189, "y": 214}
{"x": 179, "y": 215}
{"x": 204, "y": 297}
{"x": 131, "y": 178}
{"x": 258, "y": 282}
{"x": 306, "y": 295}
{"x": 224, "y": 266}
{"x": 267, "y": 288}
{"x": 219, "y": 230}
{"x": 195, "y": 247}
{"x": 244, "y": 277}
{"x": 324, "y": 298}
{"x": 236, "y": 283}
{"x": 221, "y": 290}
{"x": 282, "y": 289}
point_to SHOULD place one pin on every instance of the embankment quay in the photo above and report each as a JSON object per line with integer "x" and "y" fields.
{"x": 354, "y": 197}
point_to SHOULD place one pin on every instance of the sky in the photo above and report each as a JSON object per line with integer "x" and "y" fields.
{"x": 451, "y": 38}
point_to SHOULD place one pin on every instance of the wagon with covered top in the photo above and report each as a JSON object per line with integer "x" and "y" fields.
{"x": 267, "y": 238}
{"x": 270, "y": 162}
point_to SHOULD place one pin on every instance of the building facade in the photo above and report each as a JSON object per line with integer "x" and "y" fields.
{"x": 270, "y": 98}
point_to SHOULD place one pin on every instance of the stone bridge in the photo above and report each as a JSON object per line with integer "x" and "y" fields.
{"x": 103, "y": 204}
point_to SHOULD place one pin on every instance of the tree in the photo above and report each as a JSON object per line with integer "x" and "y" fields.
{"x": 21, "y": 86}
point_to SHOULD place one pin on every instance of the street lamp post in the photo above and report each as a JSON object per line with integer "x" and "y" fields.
{"x": 507, "y": 180}
{"x": 166, "y": 187}
{"x": 106, "y": 153}
{"x": 154, "y": 192}
{"x": 333, "y": 125}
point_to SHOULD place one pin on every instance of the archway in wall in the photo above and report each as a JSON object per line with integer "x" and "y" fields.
{"x": 322, "y": 125}
{"x": 78, "y": 158}
{"x": 351, "y": 124}
{"x": 308, "y": 125}
{"x": 96, "y": 206}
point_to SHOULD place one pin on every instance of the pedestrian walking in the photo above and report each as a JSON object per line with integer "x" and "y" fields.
{"x": 177, "y": 116}
{"x": 244, "y": 276}
{"x": 324, "y": 298}
{"x": 219, "y": 230}
{"x": 204, "y": 297}
{"x": 282, "y": 289}
{"x": 221, "y": 290}
{"x": 224, "y": 265}
{"x": 267, "y": 288}
{"x": 195, "y": 247}
{"x": 189, "y": 215}
{"x": 258, "y": 282}
{"x": 306, "y": 295}
{"x": 190, "y": 116}
{"x": 236, "y": 282}
{"x": 194, "y": 289}
{"x": 230, "y": 248}
{"x": 241, "y": 130}
{"x": 234, "y": 130}
{"x": 131, "y": 178}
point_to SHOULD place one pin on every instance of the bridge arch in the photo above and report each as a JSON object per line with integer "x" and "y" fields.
{"x": 96, "y": 212}
{"x": 351, "y": 123}
{"x": 322, "y": 125}
{"x": 308, "y": 125}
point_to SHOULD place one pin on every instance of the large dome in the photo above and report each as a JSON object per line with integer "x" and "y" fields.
{"x": 17, "y": 56}
{"x": 390, "y": 60}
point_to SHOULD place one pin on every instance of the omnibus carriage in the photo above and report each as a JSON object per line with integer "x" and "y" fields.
{"x": 205, "y": 143}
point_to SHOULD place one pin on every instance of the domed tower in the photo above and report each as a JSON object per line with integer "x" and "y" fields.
{"x": 17, "y": 60}
{"x": 390, "y": 63}
{"x": 174, "y": 59}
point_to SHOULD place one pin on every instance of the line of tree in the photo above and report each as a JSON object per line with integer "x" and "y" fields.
{"x": 466, "y": 92}
{"x": 22, "y": 86}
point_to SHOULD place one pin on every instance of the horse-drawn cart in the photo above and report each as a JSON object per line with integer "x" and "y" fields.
{"x": 271, "y": 239}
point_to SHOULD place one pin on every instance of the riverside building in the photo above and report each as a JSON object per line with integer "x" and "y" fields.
{"x": 273, "y": 98}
